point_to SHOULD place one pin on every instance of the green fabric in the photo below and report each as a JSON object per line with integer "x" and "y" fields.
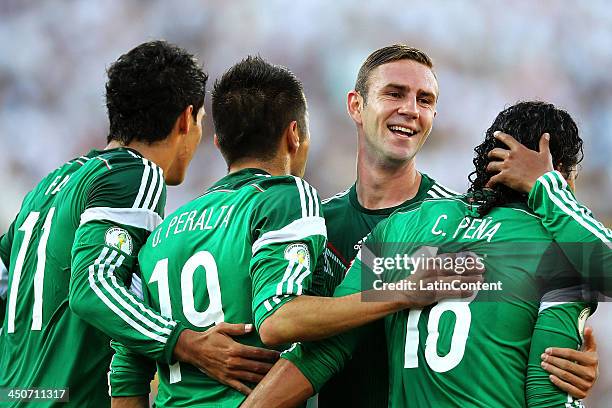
{"x": 479, "y": 353}
{"x": 75, "y": 209}
{"x": 236, "y": 254}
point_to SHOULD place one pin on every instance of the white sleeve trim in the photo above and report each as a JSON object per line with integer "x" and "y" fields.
{"x": 569, "y": 212}
{"x": 296, "y": 231}
{"x": 3, "y": 280}
{"x": 135, "y": 217}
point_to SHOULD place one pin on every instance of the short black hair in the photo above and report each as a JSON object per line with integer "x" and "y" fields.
{"x": 148, "y": 88}
{"x": 385, "y": 55}
{"x": 526, "y": 122}
{"x": 252, "y": 104}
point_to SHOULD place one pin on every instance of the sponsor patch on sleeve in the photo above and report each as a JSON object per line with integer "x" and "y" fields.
{"x": 298, "y": 253}
{"x": 120, "y": 239}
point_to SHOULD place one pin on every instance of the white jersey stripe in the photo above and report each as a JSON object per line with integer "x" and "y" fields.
{"x": 316, "y": 202}
{"x": 296, "y": 231}
{"x": 291, "y": 280}
{"x": 160, "y": 187}
{"x": 302, "y": 197}
{"x": 125, "y": 305}
{"x": 154, "y": 178}
{"x": 114, "y": 308}
{"x": 440, "y": 191}
{"x": 136, "y": 302}
{"x": 308, "y": 192}
{"x": 3, "y": 280}
{"x": 144, "y": 181}
{"x": 279, "y": 287}
{"x": 133, "y": 154}
{"x": 432, "y": 194}
{"x": 446, "y": 189}
{"x": 572, "y": 214}
{"x": 565, "y": 196}
{"x": 135, "y": 217}
{"x": 338, "y": 195}
{"x": 300, "y": 279}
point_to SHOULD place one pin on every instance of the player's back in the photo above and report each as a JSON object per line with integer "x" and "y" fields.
{"x": 197, "y": 267}
{"x": 44, "y": 343}
{"x": 470, "y": 353}
{"x": 39, "y": 276}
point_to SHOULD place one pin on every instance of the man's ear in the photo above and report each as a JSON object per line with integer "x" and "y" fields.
{"x": 216, "y": 141}
{"x": 354, "y": 105}
{"x": 292, "y": 136}
{"x": 183, "y": 122}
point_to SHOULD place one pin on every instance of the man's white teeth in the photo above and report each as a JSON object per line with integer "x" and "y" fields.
{"x": 402, "y": 129}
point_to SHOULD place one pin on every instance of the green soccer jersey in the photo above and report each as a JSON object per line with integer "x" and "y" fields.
{"x": 348, "y": 222}
{"x": 585, "y": 241}
{"x": 248, "y": 245}
{"x": 477, "y": 353}
{"x": 68, "y": 258}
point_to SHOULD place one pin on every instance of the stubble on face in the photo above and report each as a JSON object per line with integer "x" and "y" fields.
{"x": 399, "y": 112}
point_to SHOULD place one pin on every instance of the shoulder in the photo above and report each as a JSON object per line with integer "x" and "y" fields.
{"x": 438, "y": 190}
{"x": 291, "y": 190}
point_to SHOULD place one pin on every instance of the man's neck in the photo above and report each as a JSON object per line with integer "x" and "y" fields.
{"x": 380, "y": 186}
{"x": 155, "y": 152}
{"x": 273, "y": 167}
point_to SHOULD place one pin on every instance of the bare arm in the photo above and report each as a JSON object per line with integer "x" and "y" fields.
{"x": 284, "y": 386}
{"x": 130, "y": 402}
{"x": 309, "y": 318}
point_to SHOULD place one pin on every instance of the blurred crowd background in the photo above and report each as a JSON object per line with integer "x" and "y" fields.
{"x": 488, "y": 55}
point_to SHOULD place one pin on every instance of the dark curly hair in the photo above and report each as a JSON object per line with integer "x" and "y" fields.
{"x": 252, "y": 104}
{"x": 148, "y": 88}
{"x": 526, "y": 122}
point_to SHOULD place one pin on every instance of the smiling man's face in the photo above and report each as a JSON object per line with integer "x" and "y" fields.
{"x": 400, "y": 108}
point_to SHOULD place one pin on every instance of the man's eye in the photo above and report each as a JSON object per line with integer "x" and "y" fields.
{"x": 394, "y": 94}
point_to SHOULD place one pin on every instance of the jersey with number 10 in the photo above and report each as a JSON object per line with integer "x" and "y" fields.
{"x": 248, "y": 245}
{"x": 479, "y": 353}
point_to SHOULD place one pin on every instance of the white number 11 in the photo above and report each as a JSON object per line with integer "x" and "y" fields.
{"x": 28, "y": 228}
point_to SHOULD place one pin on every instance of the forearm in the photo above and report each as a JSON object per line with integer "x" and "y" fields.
{"x": 105, "y": 303}
{"x": 308, "y": 318}
{"x": 283, "y": 386}
{"x": 130, "y": 402}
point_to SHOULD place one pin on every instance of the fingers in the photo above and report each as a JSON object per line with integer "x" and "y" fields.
{"x": 506, "y": 139}
{"x": 499, "y": 154}
{"x": 240, "y": 387}
{"x": 256, "y": 353}
{"x": 563, "y": 365}
{"x": 589, "y": 340}
{"x": 567, "y": 377}
{"x": 544, "y": 143}
{"x": 566, "y": 387}
{"x": 249, "y": 365}
{"x": 247, "y": 376}
{"x": 569, "y": 355}
{"x": 495, "y": 167}
{"x": 234, "y": 329}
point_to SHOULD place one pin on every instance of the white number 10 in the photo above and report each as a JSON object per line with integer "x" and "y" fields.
{"x": 212, "y": 315}
{"x": 440, "y": 364}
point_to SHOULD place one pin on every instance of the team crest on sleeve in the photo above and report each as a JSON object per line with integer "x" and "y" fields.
{"x": 120, "y": 239}
{"x": 298, "y": 253}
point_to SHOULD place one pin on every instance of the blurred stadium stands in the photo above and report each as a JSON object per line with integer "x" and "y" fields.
{"x": 488, "y": 55}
